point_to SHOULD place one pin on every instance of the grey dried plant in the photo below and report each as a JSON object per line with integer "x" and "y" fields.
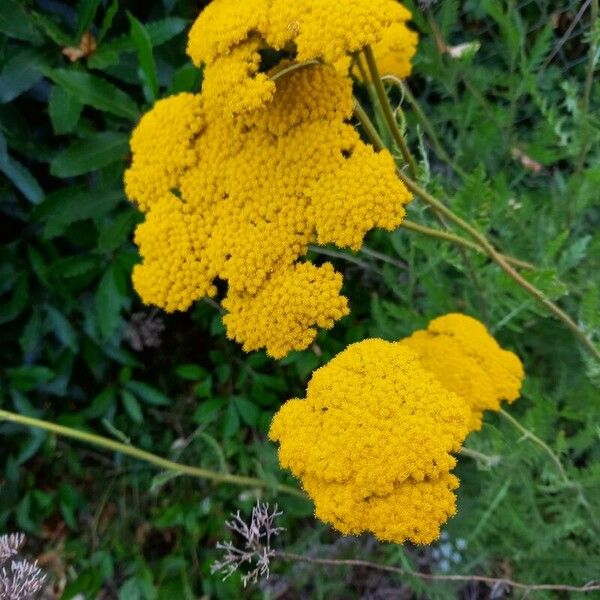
{"x": 255, "y": 553}
{"x": 19, "y": 579}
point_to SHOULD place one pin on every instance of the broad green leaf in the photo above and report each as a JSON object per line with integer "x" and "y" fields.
{"x": 159, "y": 32}
{"x": 86, "y": 12}
{"x": 186, "y": 79}
{"x": 117, "y": 233}
{"x": 64, "y": 110}
{"x": 29, "y": 377}
{"x": 144, "y": 51}
{"x": 51, "y": 29}
{"x": 132, "y": 406}
{"x": 231, "y": 422}
{"x": 20, "y": 74}
{"x": 62, "y": 328}
{"x": 90, "y": 154}
{"x": 15, "y": 23}
{"x": 248, "y": 411}
{"x": 95, "y": 91}
{"x": 70, "y": 205}
{"x": 191, "y": 372}
{"x": 11, "y": 309}
{"x": 22, "y": 178}
{"x": 148, "y": 394}
{"x": 107, "y": 21}
{"x": 108, "y": 304}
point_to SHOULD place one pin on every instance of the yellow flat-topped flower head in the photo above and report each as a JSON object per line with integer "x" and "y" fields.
{"x": 373, "y": 443}
{"x": 241, "y": 199}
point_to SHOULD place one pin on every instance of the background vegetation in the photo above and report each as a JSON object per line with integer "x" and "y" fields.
{"x": 517, "y": 122}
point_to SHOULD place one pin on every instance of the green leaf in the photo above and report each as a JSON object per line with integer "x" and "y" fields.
{"x": 117, "y": 233}
{"x": 208, "y": 410}
{"x": 90, "y": 154}
{"x": 144, "y": 51}
{"x": 22, "y": 178}
{"x": 70, "y": 205}
{"x": 148, "y": 394}
{"x": 86, "y": 13}
{"x": 132, "y": 406}
{"x": 15, "y": 23}
{"x": 108, "y": 304}
{"x": 159, "y": 32}
{"x": 190, "y": 372}
{"x": 64, "y": 110}
{"x": 61, "y": 327}
{"x": 186, "y": 79}
{"x": 231, "y": 423}
{"x": 107, "y": 21}
{"x": 19, "y": 300}
{"x": 248, "y": 411}
{"x": 95, "y": 91}
{"x": 29, "y": 377}
{"x": 20, "y": 74}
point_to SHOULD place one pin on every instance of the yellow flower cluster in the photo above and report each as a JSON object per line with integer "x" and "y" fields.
{"x": 373, "y": 441}
{"x": 467, "y": 360}
{"x": 237, "y": 181}
{"x": 395, "y": 51}
{"x": 306, "y": 29}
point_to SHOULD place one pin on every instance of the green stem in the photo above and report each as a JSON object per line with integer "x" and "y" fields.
{"x": 422, "y": 118}
{"x": 528, "y": 434}
{"x": 589, "y": 82}
{"x": 487, "y": 461}
{"x": 536, "y": 440}
{"x": 388, "y": 113}
{"x": 500, "y": 261}
{"x": 460, "y": 241}
{"x": 148, "y": 457}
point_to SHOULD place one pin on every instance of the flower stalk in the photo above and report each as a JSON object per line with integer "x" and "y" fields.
{"x": 153, "y": 459}
{"x": 384, "y": 103}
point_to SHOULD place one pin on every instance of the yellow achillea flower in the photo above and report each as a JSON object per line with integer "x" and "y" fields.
{"x": 306, "y": 29}
{"x": 395, "y": 51}
{"x": 467, "y": 360}
{"x": 240, "y": 199}
{"x": 373, "y": 442}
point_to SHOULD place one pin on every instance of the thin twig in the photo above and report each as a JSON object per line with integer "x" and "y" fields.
{"x": 288, "y": 556}
{"x": 148, "y": 457}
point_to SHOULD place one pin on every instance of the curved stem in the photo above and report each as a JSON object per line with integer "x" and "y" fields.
{"x": 422, "y": 118}
{"x": 536, "y": 440}
{"x": 148, "y": 457}
{"x": 500, "y": 261}
{"x": 484, "y": 459}
{"x": 336, "y": 562}
{"x": 528, "y": 434}
{"x": 387, "y": 111}
{"x": 460, "y": 241}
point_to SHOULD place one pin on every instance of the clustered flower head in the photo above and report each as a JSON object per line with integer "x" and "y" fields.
{"x": 237, "y": 181}
{"x": 373, "y": 441}
{"x": 467, "y": 360}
